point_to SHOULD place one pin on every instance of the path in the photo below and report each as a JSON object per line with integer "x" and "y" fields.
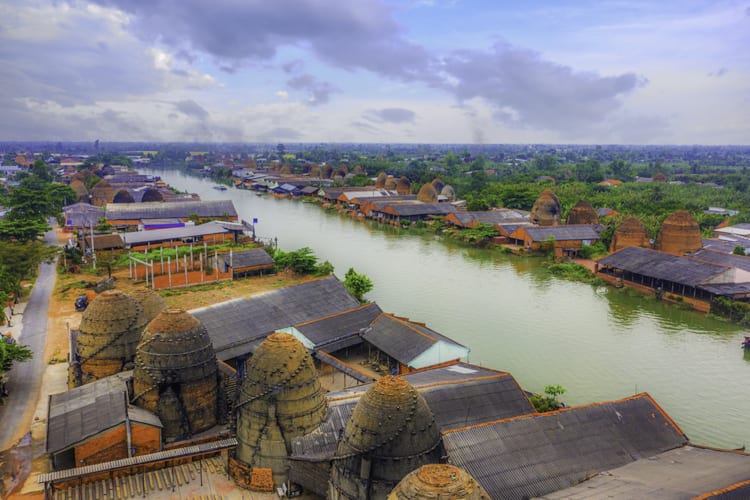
{"x": 25, "y": 379}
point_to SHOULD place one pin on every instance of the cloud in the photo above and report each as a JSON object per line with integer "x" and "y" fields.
{"x": 391, "y": 115}
{"x": 526, "y": 90}
{"x": 319, "y": 92}
{"x": 719, "y": 72}
{"x": 351, "y": 35}
{"x": 191, "y": 108}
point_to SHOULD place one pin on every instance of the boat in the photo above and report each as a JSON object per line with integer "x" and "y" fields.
{"x": 220, "y": 188}
{"x": 746, "y": 343}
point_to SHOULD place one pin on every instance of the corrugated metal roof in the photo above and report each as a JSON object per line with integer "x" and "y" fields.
{"x": 458, "y": 395}
{"x": 85, "y": 411}
{"x": 529, "y": 456}
{"x": 160, "y": 210}
{"x": 173, "y": 233}
{"x": 321, "y": 331}
{"x": 724, "y": 259}
{"x": 685, "y": 472}
{"x": 142, "y": 416}
{"x": 235, "y": 324}
{"x": 564, "y": 233}
{"x": 662, "y": 266}
{"x": 400, "y": 339}
{"x": 160, "y": 456}
{"x": 411, "y": 209}
{"x": 248, "y": 258}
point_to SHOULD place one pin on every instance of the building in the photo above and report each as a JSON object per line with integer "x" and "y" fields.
{"x": 563, "y": 240}
{"x": 248, "y": 262}
{"x": 95, "y": 423}
{"x": 129, "y": 216}
{"x": 688, "y": 277}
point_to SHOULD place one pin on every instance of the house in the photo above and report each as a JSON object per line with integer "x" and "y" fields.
{"x": 565, "y": 240}
{"x": 355, "y": 198}
{"x": 237, "y": 327}
{"x": 721, "y": 211}
{"x": 248, "y": 262}
{"x": 129, "y": 216}
{"x": 742, "y": 230}
{"x": 101, "y": 242}
{"x": 491, "y": 217}
{"x": 211, "y": 233}
{"x": 368, "y": 205}
{"x": 81, "y": 216}
{"x": 94, "y": 423}
{"x": 411, "y": 211}
{"x": 690, "y": 277}
{"x": 606, "y": 212}
{"x": 411, "y": 346}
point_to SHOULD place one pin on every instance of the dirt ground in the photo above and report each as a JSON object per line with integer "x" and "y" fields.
{"x": 63, "y": 316}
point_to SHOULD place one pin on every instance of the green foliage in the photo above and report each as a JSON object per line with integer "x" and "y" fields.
{"x": 324, "y": 269}
{"x": 548, "y": 401}
{"x": 738, "y": 250}
{"x": 732, "y": 309}
{"x": 573, "y": 271}
{"x": 592, "y": 251}
{"x": 480, "y": 234}
{"x": 302, "y": 261}
{"x": 357, "y": 284}
{"x": 10, "y": 353}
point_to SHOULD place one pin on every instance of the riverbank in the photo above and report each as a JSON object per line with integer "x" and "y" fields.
{"x": 599, "y": 342}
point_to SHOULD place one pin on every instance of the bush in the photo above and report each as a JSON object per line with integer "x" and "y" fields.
{"x": 549, "y": 401}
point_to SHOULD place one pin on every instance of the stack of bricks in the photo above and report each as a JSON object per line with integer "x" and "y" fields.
{"x": 261, "y": 479}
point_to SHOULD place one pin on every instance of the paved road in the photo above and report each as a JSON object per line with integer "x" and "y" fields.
{"x": 25, "y": 379}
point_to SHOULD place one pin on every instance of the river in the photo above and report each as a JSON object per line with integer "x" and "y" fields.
{"x": 599, "y": 343}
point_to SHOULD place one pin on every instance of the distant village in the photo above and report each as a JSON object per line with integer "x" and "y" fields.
{"x": 304, "y": 390}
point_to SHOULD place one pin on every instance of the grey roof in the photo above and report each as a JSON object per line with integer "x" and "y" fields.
{"x": 310, "y": 189}
{"x": 565, "y": 233}
{"x": 411, "y": 209}
{"x": 534, "y": 455}
{"x": 83, "y": 220}
{"x": 324, "y": 332}
{"x": 136, "y": 414}
{"x": 81, "y": 207}
{"x": 85, "y": 411}
{"x": 492, "y": 216}
{"x": 682, "y": 270}
{"x": 724, "y": 259}
{"x": 684, "y": 472}
{"x": 727, "y": 288}
{"x": 401, "y": 339}
{"x": 459, "y": 395}
{"x": 172, "y": 233}
{"x": 249, "y": 258}
{"x": 160, "y": 210}
{"x": 234, "y": 325}
{"x": 725, "y": 245}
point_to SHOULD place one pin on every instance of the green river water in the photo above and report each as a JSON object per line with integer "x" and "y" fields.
{"x": 599, "y": 343}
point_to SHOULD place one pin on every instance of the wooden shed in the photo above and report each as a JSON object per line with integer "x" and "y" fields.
{"x": 248, "y": 263}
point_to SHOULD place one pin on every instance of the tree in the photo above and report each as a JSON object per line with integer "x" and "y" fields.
{"x": 549, "y": 402}
{"x": 357, "y": 284}
{"x": 10, "y": 352}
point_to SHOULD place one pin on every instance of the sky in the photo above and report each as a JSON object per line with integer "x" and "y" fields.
{"x": 376, "y": 71}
